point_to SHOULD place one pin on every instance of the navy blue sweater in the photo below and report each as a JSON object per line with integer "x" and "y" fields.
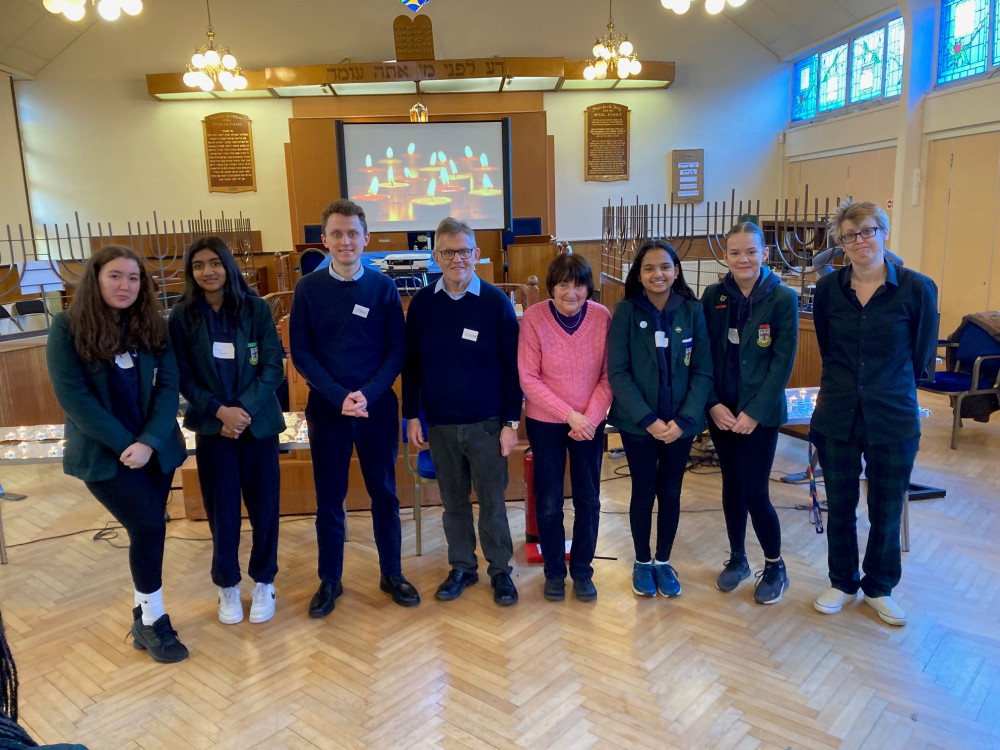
{"x": 347, "y": 335}
{"x": 461, "y": 358}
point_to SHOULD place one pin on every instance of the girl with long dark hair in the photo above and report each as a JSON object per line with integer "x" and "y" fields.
{"x": 229, "y": 357}
{"x": 660, "y": 370}
{"x": 115, "y": 376}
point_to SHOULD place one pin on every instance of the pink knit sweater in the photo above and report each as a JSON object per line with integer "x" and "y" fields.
{"x": 562, "y": 373}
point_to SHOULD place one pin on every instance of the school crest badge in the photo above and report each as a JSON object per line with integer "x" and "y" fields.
{"x": 764, "y": 335}
{"x": 687, "y": 353}
{"x": 254, "y": 353}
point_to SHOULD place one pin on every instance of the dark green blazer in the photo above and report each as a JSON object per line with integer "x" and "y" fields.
{"x": 635, "y": 375}
{"x": 767, "y": 350}
{"x": 258, "y": 370}
{"x": 94, "y": 437}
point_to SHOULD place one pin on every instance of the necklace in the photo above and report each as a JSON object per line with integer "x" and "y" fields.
{"x": 565, "y": 320}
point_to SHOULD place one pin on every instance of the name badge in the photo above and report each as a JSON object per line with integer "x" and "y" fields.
{"x": 223, "y": 350}
{"x": 734, "y": 336}
{"x": 469, "y": 335}
{"x": 361, "y": 311}
{"x": 124, "y": 361}
{"x": 662, "y": 342}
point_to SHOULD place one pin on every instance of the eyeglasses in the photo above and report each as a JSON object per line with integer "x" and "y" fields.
{"x": 463, "y": 252}
{"x": 851, "y": 237}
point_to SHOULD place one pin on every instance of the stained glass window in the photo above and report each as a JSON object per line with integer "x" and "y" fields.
{"x": 867, "y": 62}
{"x": 804, "y": 89}
{"x": 962, "y": 48}
{"x": 996, "y": 34}
{"x": 833, "y": 78}
{"x": 894, "y": 58}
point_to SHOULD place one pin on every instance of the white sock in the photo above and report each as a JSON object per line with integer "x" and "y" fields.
{"x": 152, "y": 606}
{"x": 664, "y": 562}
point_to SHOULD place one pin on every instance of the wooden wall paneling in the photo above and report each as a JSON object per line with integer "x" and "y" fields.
{"x": 298, "y": 235}
{"x": 314, "y": 167}
{"x": 886, "y": 182}
{"x": 993, "y": 290}
{"x": 26, "y": 394}
{"x": 549, "y": 226}
{"x": 591, "y": 250}
{"x": 862, "y": 177}
{"x": 808, "y": 365}
{"x": 938, "y": 187}
{"x": 486, "y": 106}
{"x": 793, "y": 177}
{"x": 969, "y": 245}
{"x": 834, "y": 180}
{"x": 811, "y": 174}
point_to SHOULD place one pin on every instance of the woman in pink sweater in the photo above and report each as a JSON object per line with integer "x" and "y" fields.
{"x": 562, "y": 361}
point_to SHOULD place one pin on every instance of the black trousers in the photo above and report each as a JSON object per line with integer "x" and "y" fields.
{"x": 746, "y": 462}
{"x": 137, "y": 498}
{"x": 225, "y": 468}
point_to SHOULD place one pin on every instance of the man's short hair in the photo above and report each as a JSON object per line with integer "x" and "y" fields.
{"x": 345, "y": 207}
{"x": 451, "y": 225}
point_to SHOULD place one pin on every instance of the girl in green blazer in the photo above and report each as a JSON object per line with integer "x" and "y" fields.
{"x": 753, "y": 324}
{"x": 229, "y": 356}
{"x": 115, "y": 376}
{"x": 660, "y": 371}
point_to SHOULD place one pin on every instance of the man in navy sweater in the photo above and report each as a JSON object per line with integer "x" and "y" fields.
{"x": 461, "y": 372}
{"x": 347, "y": 341}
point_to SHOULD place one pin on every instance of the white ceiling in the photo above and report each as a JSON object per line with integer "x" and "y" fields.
{"x": 31, "y": 37}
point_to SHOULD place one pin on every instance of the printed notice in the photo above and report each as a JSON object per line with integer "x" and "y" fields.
{"x": 229, "y": 153}
{"x": 606, "y": 142}
{"x": 688, "y": 175}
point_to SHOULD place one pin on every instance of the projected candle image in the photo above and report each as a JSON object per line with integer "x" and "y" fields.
{"x": 412, "y": 157}
{"x": 483, "y": 169}
{"x": 431, "y": 208}
{"x": 482, "y": 200}
{"x": 375, "y": 204}
{"x": 418, "y": 184}
{"x": 395, "y": 190}
{"x": 368, "y": 169}
{"x": 469, "y": 161}
{"x": 430, "y": 171}
{"x": 451, "y": 190}
{"x": 460, "y": 178}
{"x": 390, "y": 161}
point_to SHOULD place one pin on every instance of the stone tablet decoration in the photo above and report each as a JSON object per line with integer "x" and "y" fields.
{"x": 229, "y": 153}
{"x": 688, "y": 175}
{"x": 605, "y": 142}
{"x": 414, "y": 38}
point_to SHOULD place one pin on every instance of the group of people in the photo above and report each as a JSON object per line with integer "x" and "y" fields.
{"x": 664, "y": 366}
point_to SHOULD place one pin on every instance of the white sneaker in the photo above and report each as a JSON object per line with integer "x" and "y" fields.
{"x": 832, "y": 601}
{"x": 262, "y": 607}
{"x": 230, "y": 606}
{"x": 887, "y": 609}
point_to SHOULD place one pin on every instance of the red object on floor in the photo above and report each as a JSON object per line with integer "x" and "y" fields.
{"x": 532, "y": 549}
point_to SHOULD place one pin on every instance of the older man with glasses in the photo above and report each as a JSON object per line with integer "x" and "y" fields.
{"x": 461, "y": 373}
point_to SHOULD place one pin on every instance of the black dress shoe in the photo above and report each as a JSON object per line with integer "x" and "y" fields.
{"x": 585, "y": 590}
{"x": 555, "y": 589}
{"x": 403, "y": 592}
{"x": 504, "y": 592}
{"x": 325, "y": 598}
{"x": 455, "y": 584}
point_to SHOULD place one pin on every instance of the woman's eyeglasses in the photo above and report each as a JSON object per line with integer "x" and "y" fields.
{"x": 851, "y": 237}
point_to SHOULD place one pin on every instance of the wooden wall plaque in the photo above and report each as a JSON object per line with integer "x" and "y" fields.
{"x": 229, "y": 153}
{"x": 688, "y": 170}
{"x": 606, "y": 138}
{"x": 414, "y": 38}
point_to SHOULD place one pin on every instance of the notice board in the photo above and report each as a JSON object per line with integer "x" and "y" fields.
{"x": 605, "y": 138}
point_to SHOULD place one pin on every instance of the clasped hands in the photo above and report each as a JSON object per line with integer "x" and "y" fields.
{"x": 580, "y": 426}
{"x": 668, "y": 432}
{"x": 355, "y": 405}
{"x": 724, "y": 419}
{"x": 234, "y": 420}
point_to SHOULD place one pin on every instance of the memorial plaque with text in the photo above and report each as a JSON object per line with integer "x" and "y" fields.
{"x": 414, "y": 38}
{"x": 229, "y": 153}
{"x": 688, "y": 175}
{"x": 606, "y": 132}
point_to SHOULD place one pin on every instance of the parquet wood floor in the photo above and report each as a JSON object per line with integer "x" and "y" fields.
{"x": 706, "y": 670}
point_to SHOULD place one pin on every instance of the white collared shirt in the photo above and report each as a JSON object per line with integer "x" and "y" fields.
{"x": 355, "y": 277}
{"x": 472, "y": 288}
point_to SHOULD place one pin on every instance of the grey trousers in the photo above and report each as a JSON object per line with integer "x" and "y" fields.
{"x": 467, "y": 456}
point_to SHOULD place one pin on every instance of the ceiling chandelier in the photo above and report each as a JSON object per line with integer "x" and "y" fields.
{"x": 713, "y": 7}
{"x": 612, "y": 51}
{"x": 109, "y": 10}
{"x": 211, "y": 64}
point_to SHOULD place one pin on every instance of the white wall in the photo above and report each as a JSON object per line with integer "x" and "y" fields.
{"x": 13, "y": 200}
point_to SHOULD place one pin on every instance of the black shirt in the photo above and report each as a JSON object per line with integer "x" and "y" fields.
{"x": 873, "y": 356}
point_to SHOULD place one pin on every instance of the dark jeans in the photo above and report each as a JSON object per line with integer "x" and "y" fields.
{"x": 887, "y": 468}
{"x": 746, "y": 462}
{"x": 225, "y": 467}
{"x": 657, "y": 470}
{"x": 467, "y": 456}
{"x": 137, "y": 498}
{"x": 332, "y": 437}
{"x": 550, "y": 443}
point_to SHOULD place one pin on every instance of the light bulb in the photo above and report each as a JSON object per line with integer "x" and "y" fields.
{"x": 737, "y": 3}
{"x": 714, "y": 7}
{"x": 605, "y": 53}
{"x": 668, "y": 4}
{"x": 212, "y": 57}
{"x": 625, "y": 48}
{"x": 622, "y": 67}
{"x": 589, "y": 72}
{"x": 682, "y": 6}
{"x": 73, "y": 12}
{"x": 132, "y": 7}
{"x": 241, "y": 83}
{"x": 635, "y": 67}
{"x": 109, "y": 10}
{"x": 229, "y": 85}
{"x": 602, "y": 67}
{"x": 206, "y": 83}
{"x": 228, "y": 61}
{"x": 198, "y": 60}
{"x": 53, "y": 6}
{"x": 191, "y": 79}
{"x": 225, "y": 78}
{"x": 597, "y": 47}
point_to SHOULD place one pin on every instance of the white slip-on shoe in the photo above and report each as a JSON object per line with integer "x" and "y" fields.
{"x": 832, "y": 601}
{"x": 230, "y": 606}
{"x": 887, "y": 609}
{"x": 262, "y": 606}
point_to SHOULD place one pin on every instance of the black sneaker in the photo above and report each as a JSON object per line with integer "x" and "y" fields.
{"x": 160, "y": 639}
{"x": 737, "y": 569}
{"x": 555, "y": 589}
{"x": 771, "y": 583}
{"x": 504, "y": 592}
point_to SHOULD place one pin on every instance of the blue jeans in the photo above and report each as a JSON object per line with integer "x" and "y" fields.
{"x": 550, "y": 444}
{"x": 467, "y": 456}
{"x": 332, "y": 438}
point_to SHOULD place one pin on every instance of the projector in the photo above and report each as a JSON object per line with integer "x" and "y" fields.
{"x": 407, "y": 261}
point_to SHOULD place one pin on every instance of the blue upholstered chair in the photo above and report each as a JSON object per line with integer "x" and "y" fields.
{"x": 421, "y": 468}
